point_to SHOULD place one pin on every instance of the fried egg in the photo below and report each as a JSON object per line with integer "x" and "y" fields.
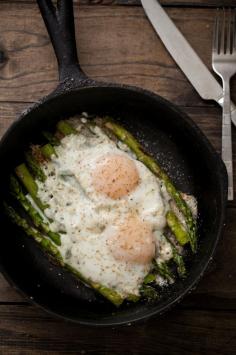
{"x": 109, "y": 206}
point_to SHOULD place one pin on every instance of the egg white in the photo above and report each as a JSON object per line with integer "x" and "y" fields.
{"x": 87, "y": 217}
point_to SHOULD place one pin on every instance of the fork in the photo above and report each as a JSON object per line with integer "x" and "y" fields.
{"x": 224, "y": 64}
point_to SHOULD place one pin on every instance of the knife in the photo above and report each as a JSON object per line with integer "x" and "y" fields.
{"x": 187, "y": 59}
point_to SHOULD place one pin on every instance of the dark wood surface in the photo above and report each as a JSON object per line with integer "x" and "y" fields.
{"x": 117, "y": 43}
{"x": 187, "y": 3}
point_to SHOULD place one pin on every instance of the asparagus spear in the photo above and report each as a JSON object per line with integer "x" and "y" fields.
{"x": 177, "y": 228}
{"x": 149, "y": 278}
{"x": 178, "y": 259}
{"x": 32, "y": 232}
{"x": 52, "y": 139}
{"x": 108, "y": 293}
{"x": 149, "y": 292}
{"x": 34, "y": 167}
{"x": 37, "y": 219}
{"x": 164, "y": 271}
{"x": 42, "y": 153}
{"x": 65, "y": 128}
{"x": 133, "y": 298}
{"x": 48, "y": 150}
{"x": 48, "y": 246}
{"x": 123, "y": 135}
{"x": 28, "y": 181}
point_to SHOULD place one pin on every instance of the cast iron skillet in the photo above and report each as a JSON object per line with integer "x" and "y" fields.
{"x": 166, "y": 132}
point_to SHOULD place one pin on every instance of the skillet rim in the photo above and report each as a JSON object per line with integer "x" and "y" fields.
{"x": 62, "y": 91}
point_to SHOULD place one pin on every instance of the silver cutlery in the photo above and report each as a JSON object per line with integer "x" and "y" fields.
{"x": 184, "y": 55}
{"x": 224, "y": 64}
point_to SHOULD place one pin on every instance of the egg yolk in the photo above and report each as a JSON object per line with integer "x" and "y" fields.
{"x": 133, "y": 241}
{"x": 115, "y": 176}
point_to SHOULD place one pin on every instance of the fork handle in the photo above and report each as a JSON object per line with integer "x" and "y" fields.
{"x": 227, "y": 137}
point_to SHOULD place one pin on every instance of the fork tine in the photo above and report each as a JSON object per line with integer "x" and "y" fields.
{"x": 228, "y": 34}
{"x": 222, "y": 39}
{"x": 215, "y": 42}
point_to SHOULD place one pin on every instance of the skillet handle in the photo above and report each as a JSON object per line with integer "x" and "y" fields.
{"x": 59, "y": 20}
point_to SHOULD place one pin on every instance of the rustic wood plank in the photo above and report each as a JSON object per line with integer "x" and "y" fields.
{"x": 189, "y": 3}
{"x": 138, "y": 58}
{"x": 205, "y": 321}
{"x": 28, "y": 330}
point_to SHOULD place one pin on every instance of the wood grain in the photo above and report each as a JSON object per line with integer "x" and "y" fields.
{"x": 117, "y": 43}
{"x": 31, "y": 331}
{"x": 139, "y": 58}
{"x": 188, "y": 3}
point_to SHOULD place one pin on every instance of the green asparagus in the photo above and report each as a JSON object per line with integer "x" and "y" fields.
{"x": 37, "y": 219}
{"x": 48, "y": 150}
{"x": 52, "y": 139}
{"x": 164, "y": 271}
{"x": 34, "y": 167}
{"x": 65, "y": 128}
{"x": 133, "y": 298}
{"x": 149, "y": 278}
{"x": 123, "y": 135}
{"x": 179, "y": 261}
{"x": 41, "y": 236}
{"x": 29, "y": 183}
{"x": 148, "y": 292}
{"x": 177, "y": 258}
{"x": 48, "y": 246}
{"x": 177, "y": 228}
{"x": 32, "y": 232}
{"x": 108, "y": 293}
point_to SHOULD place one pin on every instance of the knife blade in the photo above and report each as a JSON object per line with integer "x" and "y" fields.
{"x": 184, "y": 55}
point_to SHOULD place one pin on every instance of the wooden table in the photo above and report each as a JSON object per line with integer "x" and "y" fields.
{"x": 117, "y": 43}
